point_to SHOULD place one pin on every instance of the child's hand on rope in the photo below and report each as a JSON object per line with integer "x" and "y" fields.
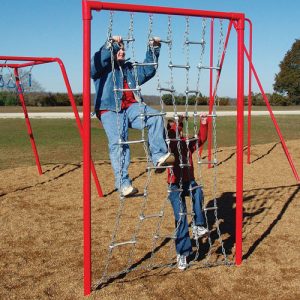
{"x": 203, "y": 118}
{"x": 155, "y": 42}
{"x": 117, "y": 38}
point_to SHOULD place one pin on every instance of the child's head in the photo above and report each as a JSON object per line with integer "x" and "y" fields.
{"x": 172, "y": 128}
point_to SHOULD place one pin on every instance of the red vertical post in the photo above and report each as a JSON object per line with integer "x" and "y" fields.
{"x": 211, "y": 98}
{"x": 249, "y": 92}
{"x": 86, "y": 15}
{"x": 240, "y": 140}
{"x": 29, "y": 129}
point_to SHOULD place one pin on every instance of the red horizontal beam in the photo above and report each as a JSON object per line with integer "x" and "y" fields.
{"x": 97, "y": 5}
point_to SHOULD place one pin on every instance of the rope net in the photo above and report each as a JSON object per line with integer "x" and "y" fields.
{"x": 142, "y": 235}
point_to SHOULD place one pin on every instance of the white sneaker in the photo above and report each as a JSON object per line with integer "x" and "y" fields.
{"x": 166, "y": 159}
{"x": 129, "y": 191}
{"x": 199, "y": 231}
{"x": 181, "y": 262}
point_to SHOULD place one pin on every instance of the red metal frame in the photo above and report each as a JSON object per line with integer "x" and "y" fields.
{"x": 87, "y": 8}
{"x": 32, "y": 61}
{"x": 249, "y": 91}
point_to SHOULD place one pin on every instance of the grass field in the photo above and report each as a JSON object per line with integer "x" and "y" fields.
{"x": 58, "y": 140}
{"x": 7, "y": 109}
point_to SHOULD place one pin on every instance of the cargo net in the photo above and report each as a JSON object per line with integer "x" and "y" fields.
{"x": 143, "y": 234}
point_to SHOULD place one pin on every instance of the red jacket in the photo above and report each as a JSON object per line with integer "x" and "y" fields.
{"x": 187, "y": 172}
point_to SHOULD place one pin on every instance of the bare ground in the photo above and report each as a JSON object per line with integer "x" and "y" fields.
{"x": 41, "y": 234}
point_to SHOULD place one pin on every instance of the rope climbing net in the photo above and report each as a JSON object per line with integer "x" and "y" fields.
{"x": 189, "y": 68}
{"x": 146, "y": 226}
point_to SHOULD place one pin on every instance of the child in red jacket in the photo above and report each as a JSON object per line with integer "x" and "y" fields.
{"x": 182, "y": 183}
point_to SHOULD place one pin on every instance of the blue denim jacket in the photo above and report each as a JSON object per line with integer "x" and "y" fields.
{"x": 101, "y": 73}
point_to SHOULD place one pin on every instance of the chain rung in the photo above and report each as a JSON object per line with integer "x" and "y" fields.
{"x": 195, "y": 187}
{"x": 179, "y": 66}
{"x": 131, "y": 142}
{"x": 186, "y": 214}
{"x": 123, "y": 40}
{"x": 159, "y": 215}
{"x": 172, "y": 237}
{"x": 160, "y": 167}
{"x": 208, "y": 68}
{"x": 166, "y": 90}
{"x": 195, "y": 114}
{"x": 144, "y": 64}
{"x": 175, "y": 190}
{"x": 195, "y": 42}
{"x": 128, "y": 90}
{"x": 162, "y": 41}
{"x": 192, "y": 92}
{"x": 211, "y": 208}
{"x": 113, "y": 245}
{"x": 152, "y": 115}
{"x": 207, "y": 162}
{"x": 184, "y": 165}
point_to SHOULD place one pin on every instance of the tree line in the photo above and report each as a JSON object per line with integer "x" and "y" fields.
{"x": 286, "y": 90}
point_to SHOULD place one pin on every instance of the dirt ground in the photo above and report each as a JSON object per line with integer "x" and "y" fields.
{"x": 41, "y": 233}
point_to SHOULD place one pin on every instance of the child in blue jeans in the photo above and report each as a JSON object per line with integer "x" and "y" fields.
{"x": 182, "y": 183}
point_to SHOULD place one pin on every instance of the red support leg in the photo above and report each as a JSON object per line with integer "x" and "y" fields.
{"x": 29, "y": 129}
{"x": 78, "y": 121}
{"x": 283, "y": 144}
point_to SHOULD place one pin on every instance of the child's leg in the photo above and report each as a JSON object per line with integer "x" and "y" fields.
{"x": 183, "y": 241}
{"x": 197, "y": 196}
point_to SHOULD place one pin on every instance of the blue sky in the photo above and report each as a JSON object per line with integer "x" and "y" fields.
{"x": 54, "y": 28}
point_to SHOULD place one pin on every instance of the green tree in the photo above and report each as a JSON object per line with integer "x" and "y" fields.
{"x": 287, "y": 81}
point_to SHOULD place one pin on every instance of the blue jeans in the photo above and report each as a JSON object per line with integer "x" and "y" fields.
{"x": 129, "y": 118}
{"x": 183, "y": 241}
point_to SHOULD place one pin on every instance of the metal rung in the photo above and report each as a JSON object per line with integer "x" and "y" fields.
{"x": 195, "y": 42}
{"x": 206, "y": 162}
{"x": 162, "y": 41}
{"x": 113, "y": 245}
{"x": 211, "y": 208}
{"x": 195, "y": 187}
{"x": 152, "y": 115}
{"x": 209, "y": 68}
{"x": 143, "y": 217}
{"x": 172, "y": 237}
{"x": 184, "y": 165}
{"x": 179, "y": 66}
{"x": 186, "y": 214}
{"x": 192, "y": 92}
{"x": 166, "y": 90}
{"x": 131, "y": 142}
{"x": 195, "y": 114}
{"x": 128, "y": 90}
{"x": 123, "y": 40}
{"x": 144, "y": 64}
{"x": 175, "y": 190}
{"x": 160, "y": 167}
{"x": 191, "y": 139}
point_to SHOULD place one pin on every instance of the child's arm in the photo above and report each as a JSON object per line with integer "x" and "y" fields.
{"x": 202, "y": 133}
{"x": 101, "y": 61}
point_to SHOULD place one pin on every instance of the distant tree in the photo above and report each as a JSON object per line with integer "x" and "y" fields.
{"x": 167, "y": 98}
{"x": 287, "y": 81}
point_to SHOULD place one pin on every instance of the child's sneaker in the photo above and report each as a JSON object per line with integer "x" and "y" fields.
{"x": 166, "y": 159}
{"x": 198, "y": 232}
{"x": 181, "y": 262}
{"x": 129, "y": 191}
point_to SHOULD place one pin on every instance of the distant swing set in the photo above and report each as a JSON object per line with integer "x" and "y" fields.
{"x": 15, "y": 82}
{"x": 236, "y": 20}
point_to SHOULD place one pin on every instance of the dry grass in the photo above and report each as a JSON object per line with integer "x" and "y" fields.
{"x": 41, "y": 233}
